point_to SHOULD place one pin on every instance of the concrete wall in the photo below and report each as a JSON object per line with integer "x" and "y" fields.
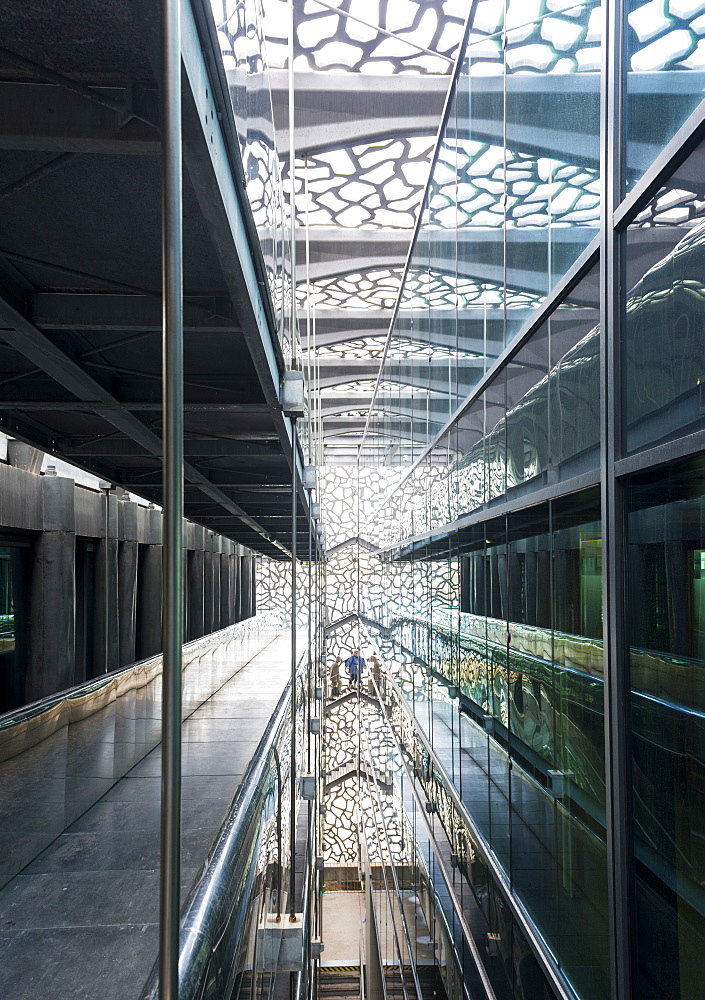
{"x": 64, "y": 527}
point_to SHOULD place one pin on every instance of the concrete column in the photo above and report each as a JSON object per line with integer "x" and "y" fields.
{"x": 149, "y": 639}
{"x": 495, "y": 604}
{"x": 215, "y": 574}
{"x": 52, "y": 594}
{"x": 106, "y": 646}
{"x": 530, "y": 584}
{"x": 237, "y": 593}
{"x": 481, "y": 589}
{"x": 544, "y": 611}
{"x": 207, "y": 589}
{"x": 515, "y": 609}
{"x": 127, "y": 601}
{"x": 245, "y": 587}
{"x": 195, "y": 590}
{"x": 225, "y": 602}
{"x": 127, "y": 584}
{"x": 232, "y": 569}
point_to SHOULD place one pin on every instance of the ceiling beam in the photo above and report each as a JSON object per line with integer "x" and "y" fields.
{"x": 39, "y": 116}
{"x": 34, "y": 345}
{"x": 114, "y": 311}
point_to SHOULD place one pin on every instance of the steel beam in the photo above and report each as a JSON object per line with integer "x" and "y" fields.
{"x": 37, "y": 116}
{"x": 196, "y": 448}
{"x": 115, "y": 311}
{"x": 34, "y": 345}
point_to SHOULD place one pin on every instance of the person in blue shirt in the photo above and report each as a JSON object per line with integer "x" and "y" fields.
{"x": 354, "y": 665}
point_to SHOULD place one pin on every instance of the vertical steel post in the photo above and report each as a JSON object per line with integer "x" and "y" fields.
{"x": 292, "y": 182}
{"x": 617, "y": 703}
{"x": 311, "y": 657}
{"x": 292, "y": 769}
{"x": 292, "y": 255}
{"x": 172, "y": 402}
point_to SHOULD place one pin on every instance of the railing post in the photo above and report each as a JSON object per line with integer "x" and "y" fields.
{"x": 172, "y": 389}
{"x": 292, "y": 817}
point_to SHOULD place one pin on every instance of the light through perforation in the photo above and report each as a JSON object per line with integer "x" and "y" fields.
{"x": 376, "y": 185}
{"x": 328, "y": 41}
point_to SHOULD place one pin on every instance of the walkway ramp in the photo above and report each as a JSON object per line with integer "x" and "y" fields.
{"x": 81, "y": 919}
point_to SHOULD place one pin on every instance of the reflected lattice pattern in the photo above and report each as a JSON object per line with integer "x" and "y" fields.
{"x": 540, "y": 190}
{"x": 378, "y": 185}
{"x": 378, "y": 289}
{"x": 329, "y": 41}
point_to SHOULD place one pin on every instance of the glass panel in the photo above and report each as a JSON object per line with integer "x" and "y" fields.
{"x": 577, "y": 778}
{"x": 470, "y": 472}
{"x": 665, "y": 56}
{"x": 554, "y": 697}
{"x": 527, "y": 414}
{"x": 574, "y": 382}
{"x": 552, "y": 155}
{"x": 664, "y": 349}
{"x": 13, "y": 627}
{"x": 496, "y": 436}
{"x": 664, "y": 615}
{"x": 479, "y": 209}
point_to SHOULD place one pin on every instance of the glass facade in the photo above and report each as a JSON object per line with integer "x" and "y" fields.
{"x": 537, "y": 432}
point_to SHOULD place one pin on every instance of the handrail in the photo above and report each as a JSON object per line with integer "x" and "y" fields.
{"x": 217, "y": 913}
{"x": 489, "y": 857}
{"x": 397, "y": 890}
{"x": 447, "y": 878}
{"x": 27, "y": 726}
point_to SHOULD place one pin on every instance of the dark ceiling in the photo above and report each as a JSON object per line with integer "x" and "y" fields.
{"x": 80, "y": 268}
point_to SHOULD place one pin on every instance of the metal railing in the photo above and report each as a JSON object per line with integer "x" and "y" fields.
{"x": 482, "y": 988}
{"x": 123, "y": 708}
{"x": 465, "y": 837}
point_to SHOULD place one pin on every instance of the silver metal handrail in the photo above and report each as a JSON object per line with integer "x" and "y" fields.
{"x": 25, "y": 727}
{"x": 371, "y": 783}
{"x": 447, "y": 877}
{"x": 485, "y": 850}
{"x": 219, "y": 915}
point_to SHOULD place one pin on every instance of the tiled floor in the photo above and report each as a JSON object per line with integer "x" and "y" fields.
{"x": 80, "y": 920}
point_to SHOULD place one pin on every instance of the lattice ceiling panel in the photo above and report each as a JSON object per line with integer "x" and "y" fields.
{"x": 670, "y": 35}
{"x": 673, "y": 206}
{"x": 377, "y": 185}
{"x": 469, "y": 183}
{"x": 424, "y": 289}
{"x": 328, "y": 41}
{"x": 542, "y": 36}
{"x": 372, "y": 348}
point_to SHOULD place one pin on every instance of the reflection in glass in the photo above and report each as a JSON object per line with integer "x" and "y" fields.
{"x": 664, "y": 352}
{"x": 665, "y": 559}
{"x": 665, "y": 57}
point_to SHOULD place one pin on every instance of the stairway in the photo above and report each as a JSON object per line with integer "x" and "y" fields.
{"x": 338, "y": 984}
{"x": 429, "y": 978}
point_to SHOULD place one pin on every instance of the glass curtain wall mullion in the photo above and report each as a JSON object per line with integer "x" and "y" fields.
{"x": 661, "y": 454}
{"x": 688, "y": 137}
{"x": 620, "y": 880}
